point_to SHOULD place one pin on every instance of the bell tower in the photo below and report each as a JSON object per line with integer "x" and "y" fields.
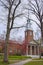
{"x": 28, "y": 35}
{"x": 28, "y": 32}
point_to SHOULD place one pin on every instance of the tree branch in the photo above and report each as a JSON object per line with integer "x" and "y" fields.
{"x": 33, "y": 21}
{"x": 36, "y": 23}
{"x": 4, "y": 4}
{"x": 31, "y": 4}
{"x": 14, "y": 13}
{"x": 18, "y": 15}
{"x": 18, "y": 27}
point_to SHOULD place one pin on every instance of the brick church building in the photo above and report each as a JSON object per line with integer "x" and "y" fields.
{"x": 28, "y": 47}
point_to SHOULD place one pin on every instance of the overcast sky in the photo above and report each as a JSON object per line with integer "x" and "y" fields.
{"x": 16, "y": 34}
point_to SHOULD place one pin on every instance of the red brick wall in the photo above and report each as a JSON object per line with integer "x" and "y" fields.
{"x": 14, "y": 48}
{"x": 28, "y": 36}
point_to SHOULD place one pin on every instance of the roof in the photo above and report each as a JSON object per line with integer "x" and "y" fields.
{"x": 34, "y": 42}
{"x": 10, "y": 42}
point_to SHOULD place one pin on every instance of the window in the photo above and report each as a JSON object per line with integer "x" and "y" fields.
{"x": 0, "y": 44}
{"x": 26, "y": 33}
{"x": 30, "y": 33}
{"x": 10, "y": 50}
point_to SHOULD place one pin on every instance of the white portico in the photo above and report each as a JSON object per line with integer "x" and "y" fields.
{"x": 32, "y": 48}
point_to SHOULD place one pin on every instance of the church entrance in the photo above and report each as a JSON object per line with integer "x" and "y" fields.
{"x": 32, "y": 50}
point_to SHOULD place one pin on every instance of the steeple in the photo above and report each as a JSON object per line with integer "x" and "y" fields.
{"x": 29, "y": 31}
{"x": 28, "y": 25}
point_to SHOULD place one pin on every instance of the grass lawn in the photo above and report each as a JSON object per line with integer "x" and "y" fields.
{"x": 38, "y": 59}
{"x": 18, "y": 57}
{"x": 13, "y": 59}
{"x": 34, "y": 63}
{"x": 2, "y": 63}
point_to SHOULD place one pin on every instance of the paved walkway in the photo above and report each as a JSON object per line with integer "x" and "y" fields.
{"x": 25, "y": 61}
{"x": 22, "y": 62}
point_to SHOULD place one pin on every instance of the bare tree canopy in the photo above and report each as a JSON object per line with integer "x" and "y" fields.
{"x": 11, "y": 6}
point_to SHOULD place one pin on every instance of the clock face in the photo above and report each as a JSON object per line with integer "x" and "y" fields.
{"x": 30, "y": 33}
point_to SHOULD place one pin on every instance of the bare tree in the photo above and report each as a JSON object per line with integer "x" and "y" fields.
{"x": 35, "y": 7}
{"x": 11, "y": 6}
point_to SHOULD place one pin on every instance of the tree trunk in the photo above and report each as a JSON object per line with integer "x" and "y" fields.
{"x": 40, "y": 51}
{"x": 7, "y": 38}
{"x": 42, "y": 32}
{"x": 5, "y": 46}
{"x": 41, "y": 37}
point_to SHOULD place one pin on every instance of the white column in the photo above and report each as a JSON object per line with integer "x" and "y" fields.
{"x": 30, "y": 50}
{"x": 27, "y": 50}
